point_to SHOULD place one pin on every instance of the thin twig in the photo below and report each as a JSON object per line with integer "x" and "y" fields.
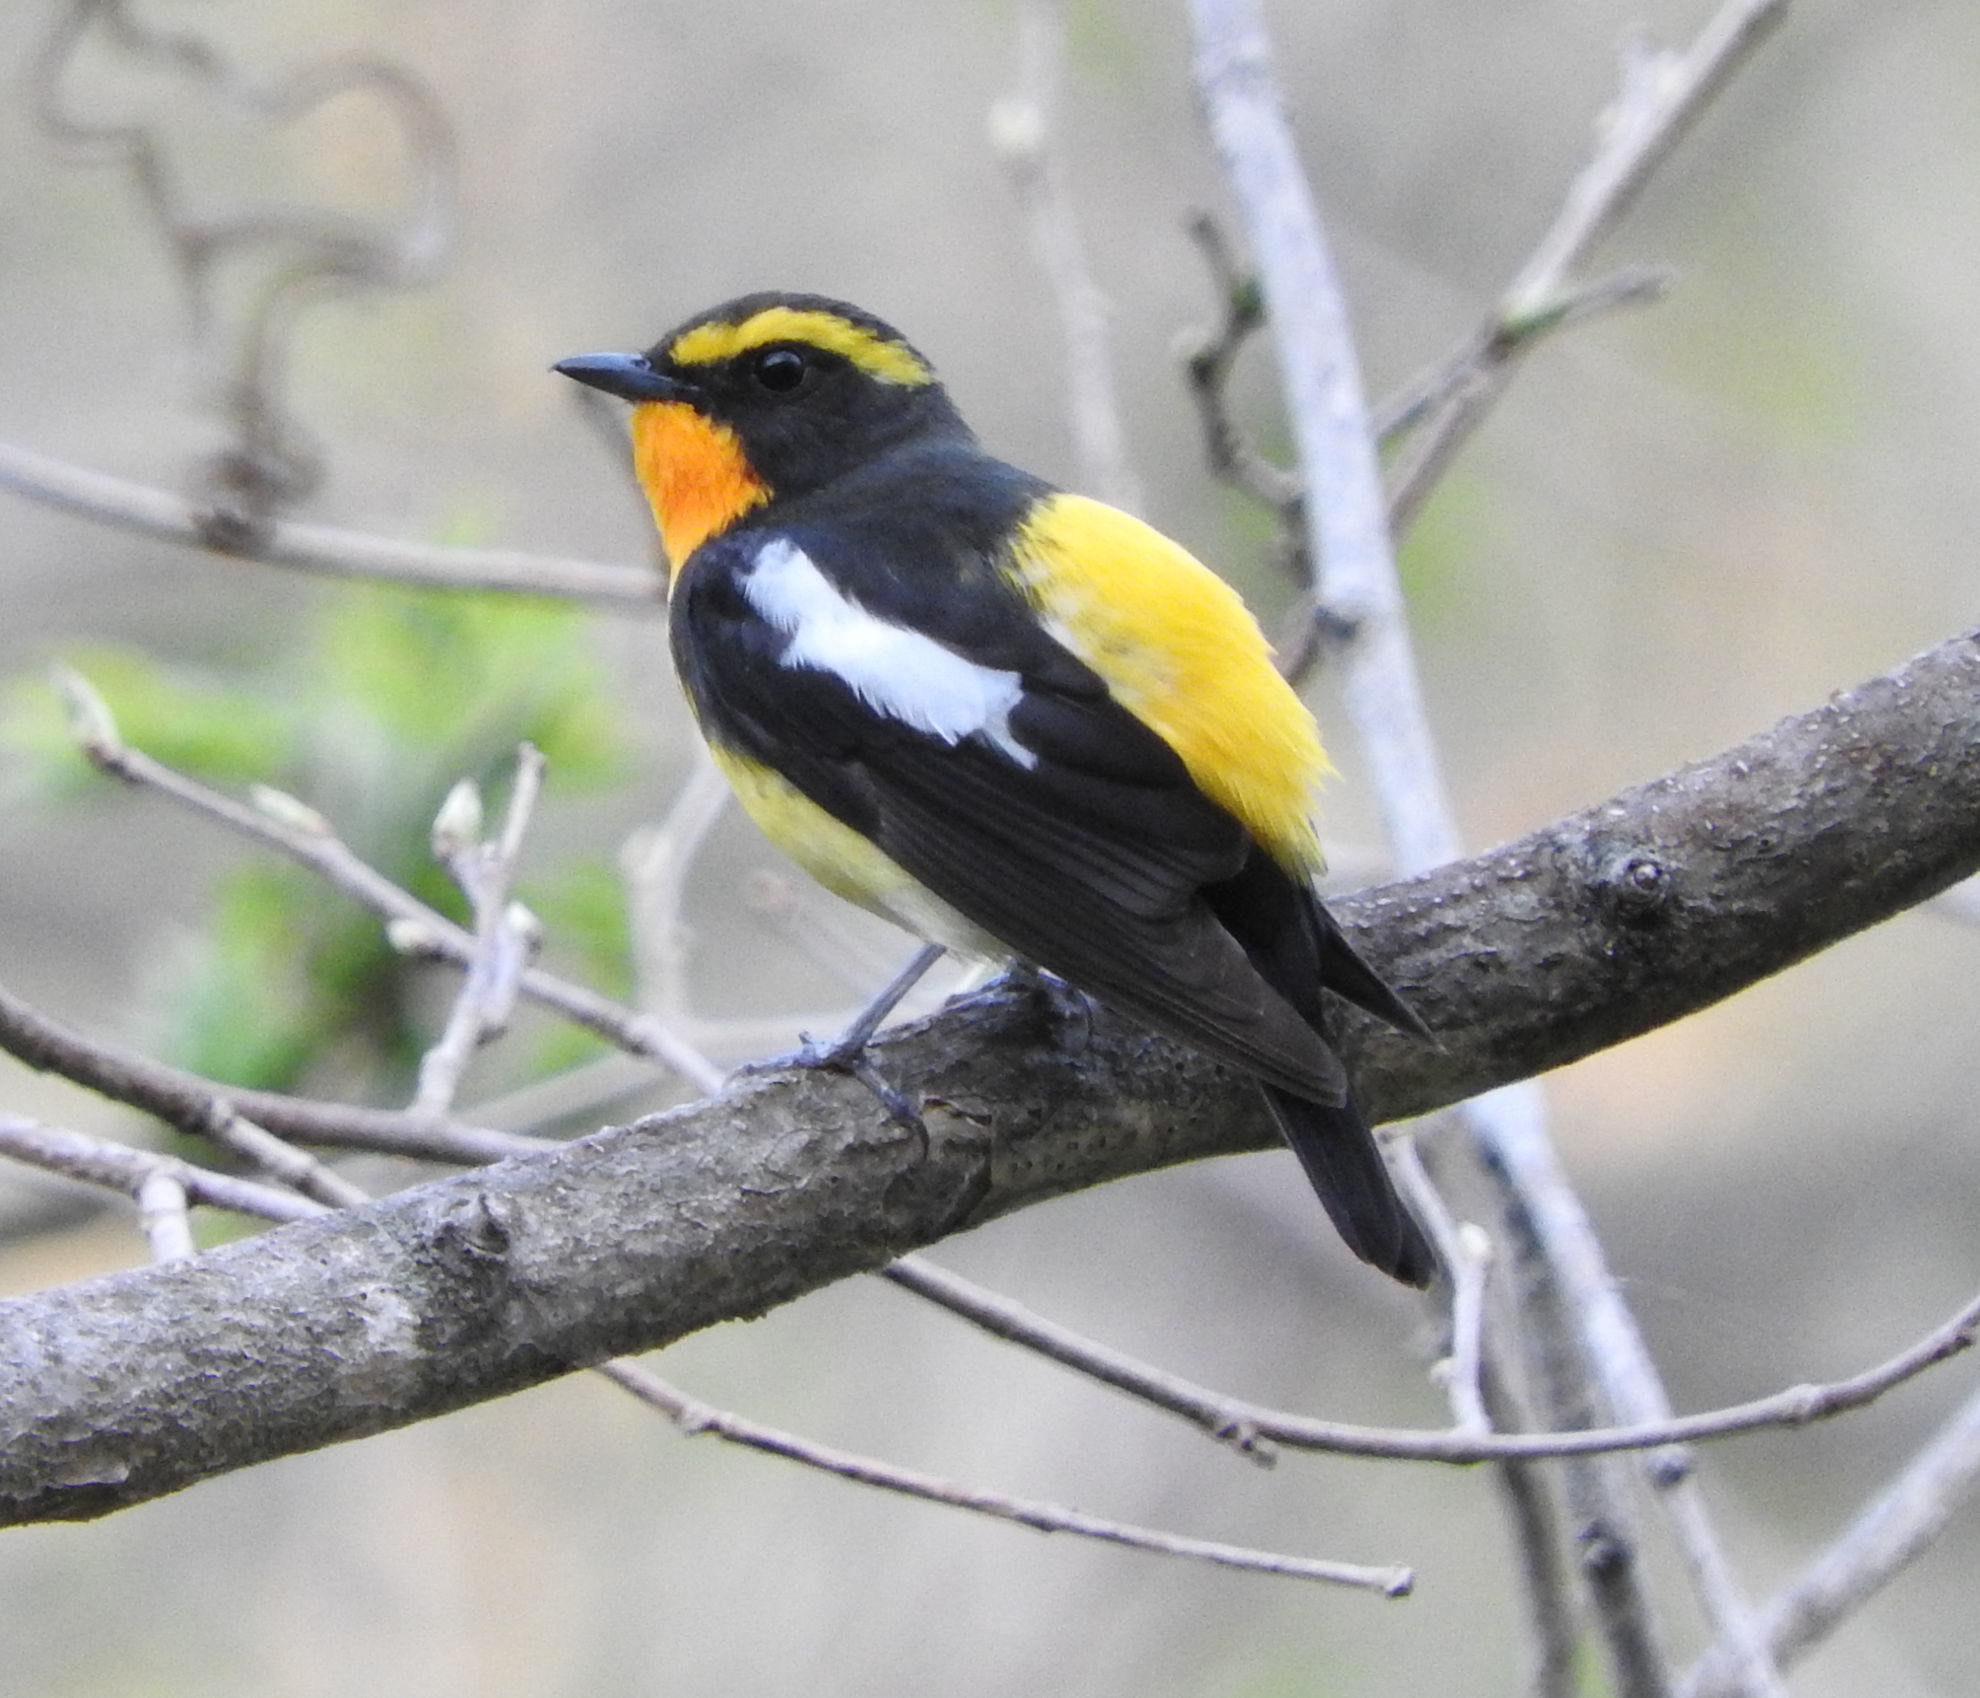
{"x": 1356, "y": 578}
{"x": 1529, "y": 1493}
{"x": 1731, "y": 1617}
{"x": 162, "y": 1207}
{"x": 280, "y": 1160}
{"x": 694, "y": 1417}
{"x": 1024, "y": 134}
{"x": 1208, "y": 362}
{"x": 294, "y": 829}
{"x": 505, "y": 933}
{"x": 1520, "y": 1154}
{"x": 1661, "y": 97}
{"x": 118, "y": 1167}
{"x": 1893, "y": 1530}
{"x": 1509, "y": 1128}
{"x": 1225, "y": 1419}
{"x": 1433, "y": 390}
{"x": 297, "y": 253}
{"x": 655, "y": 863}
{"x": 1600, "y": 1514}
{"x": 1465, "y": 1251}
{"x": 1345, "y": 511}
{"x": 171, "y": 518}
{"x": 1245, "y": 1425}
{"x": 1465, "y": 1364}
{"x": 207, "y": 1110}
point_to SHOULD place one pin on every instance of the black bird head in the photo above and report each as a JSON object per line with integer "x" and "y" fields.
{"x": 770, "y": 395}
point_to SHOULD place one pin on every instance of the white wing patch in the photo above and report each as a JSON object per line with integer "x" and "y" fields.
{"x": 892, "y": 669}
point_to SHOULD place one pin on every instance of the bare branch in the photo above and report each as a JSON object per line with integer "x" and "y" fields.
{"x": 655, "y": 863}
{"x": 1529, "y": 1495}
{"x": 1894, "y": 1529}
{"x": 1250, "y": 1426}
{"x": 1024, "y": 134}
{"x": 119, "y": 1167}
{"x": 320, "y": 548}
{"x": 1436, "y": 388}
{"x": 1355, "y": 579}
{"x": 694, "y": 1417}
{"x": 161, "y": 1201}
{"x": 293, "y": 829}
{"x": 1521, "y": 959}
{"x": 505, "y": 933}
{"x": 1726, "y": 1609}
{"x": 1599, "y": 1511}
{"x": 1344, "y": 507}
{"x": 1228, "y": 1419}
{"x": 282, "y": 1161}
{"x": 303, "y": 253}
{"x": 1463, "y": 1367}
{"x": 1510, "y": 1130}
{"x": 1663, "y": 94}
{"x": 1209, "y": 361}
{"x": 207, "y": 1110}
{"x": 1465, "y": 1252}
{"x": 1661, "y": 97}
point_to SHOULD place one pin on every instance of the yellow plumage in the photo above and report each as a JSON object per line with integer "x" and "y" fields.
{"x": 1016, "y": 721}
{"x": 1180, "y": 651}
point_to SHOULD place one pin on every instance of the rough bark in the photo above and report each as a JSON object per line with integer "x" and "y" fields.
{"x": 1606, "y": 924}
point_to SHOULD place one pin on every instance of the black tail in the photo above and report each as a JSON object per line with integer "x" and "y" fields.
{"x": 1345, "y": 1164}
{"x": 1298, "y": 950}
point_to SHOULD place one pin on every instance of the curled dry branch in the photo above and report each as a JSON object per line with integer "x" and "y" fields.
{"x": 298, "y": 251}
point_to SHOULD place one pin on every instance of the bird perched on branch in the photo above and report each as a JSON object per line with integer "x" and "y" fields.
{"x": 1013, "y": 720}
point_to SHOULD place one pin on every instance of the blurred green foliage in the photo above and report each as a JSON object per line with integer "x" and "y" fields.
{"x": 1435, "y": 558}
{"x": 394, "y": 696}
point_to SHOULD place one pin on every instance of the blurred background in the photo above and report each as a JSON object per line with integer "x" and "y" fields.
{"x": 1683, "y": 524}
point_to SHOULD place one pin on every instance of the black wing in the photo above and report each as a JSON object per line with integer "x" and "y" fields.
{"x": 1090, "y": 858}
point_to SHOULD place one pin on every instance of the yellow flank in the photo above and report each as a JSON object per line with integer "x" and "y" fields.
{"x": 844, "y": 862}
{"x": 1181, "y": 652}
{"x": 877, "y": 356}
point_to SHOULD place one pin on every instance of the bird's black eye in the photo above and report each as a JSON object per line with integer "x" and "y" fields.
{"x": 779, "y": 370}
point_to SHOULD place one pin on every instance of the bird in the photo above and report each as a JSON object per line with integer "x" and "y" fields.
{"x": 1014, "y": 720}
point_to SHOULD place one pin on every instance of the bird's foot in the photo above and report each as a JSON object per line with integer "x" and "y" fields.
{"x": 847, "y": 1053}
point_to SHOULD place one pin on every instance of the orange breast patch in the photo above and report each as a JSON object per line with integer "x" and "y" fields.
{"x": 695, "y": 475}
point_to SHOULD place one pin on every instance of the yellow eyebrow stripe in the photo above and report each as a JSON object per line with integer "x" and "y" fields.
{"x": 889, "y": 361}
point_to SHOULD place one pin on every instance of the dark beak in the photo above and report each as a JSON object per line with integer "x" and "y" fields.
{"x": 631, "y": 377}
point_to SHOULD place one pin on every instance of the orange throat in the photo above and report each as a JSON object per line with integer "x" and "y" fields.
{"x": 695, "y": 475}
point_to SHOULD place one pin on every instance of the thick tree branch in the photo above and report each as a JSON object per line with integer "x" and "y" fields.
{"x": 1606, "y": 924}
